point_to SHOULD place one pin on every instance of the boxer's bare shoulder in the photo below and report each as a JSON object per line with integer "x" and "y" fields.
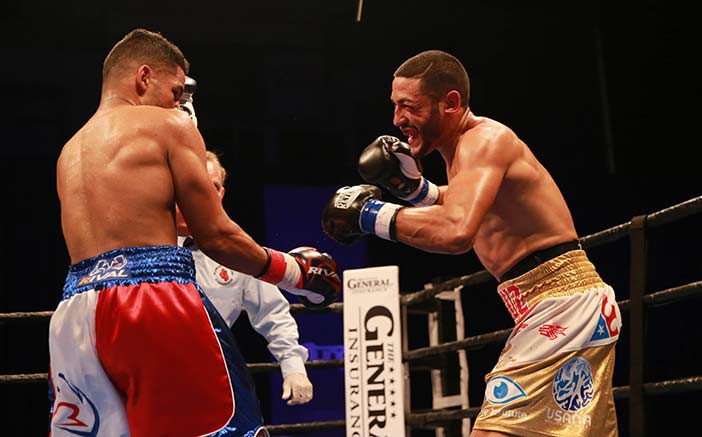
{"x": 113, "y": 176}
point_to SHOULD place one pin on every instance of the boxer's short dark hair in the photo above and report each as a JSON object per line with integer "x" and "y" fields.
{"x": 440, "y": 73}
{"x": 145, "y": 47}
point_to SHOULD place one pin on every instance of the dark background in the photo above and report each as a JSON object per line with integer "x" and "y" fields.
{"x": 605, "y": 93}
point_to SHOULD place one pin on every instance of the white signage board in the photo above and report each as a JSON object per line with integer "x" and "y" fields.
{"x": 373, "y": 353}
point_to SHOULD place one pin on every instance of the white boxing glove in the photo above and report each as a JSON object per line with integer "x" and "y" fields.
{"x": 186, "y": 99}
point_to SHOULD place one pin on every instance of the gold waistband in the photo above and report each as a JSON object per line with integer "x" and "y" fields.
{"x": 564, "y": 275}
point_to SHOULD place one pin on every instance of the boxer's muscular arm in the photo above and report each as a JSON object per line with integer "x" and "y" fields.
{"x": 442, "y": 194}
{"x": 451, "y": 225}
{"x": 216, "y": 234}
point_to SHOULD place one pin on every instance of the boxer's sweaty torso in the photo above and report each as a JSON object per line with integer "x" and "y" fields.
{"x": 135, "y": 346}
{"x": 528, "y": 213}
{"x": 115, "y": 184}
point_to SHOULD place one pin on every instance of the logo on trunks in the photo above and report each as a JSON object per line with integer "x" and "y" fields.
{"x": 104, "y": 270}
{"x": 552, "y": 331}
{"x": 501, "y": 390}
{"x": 512, "y": 297}
{"x": 573, "y": 386}
{"x": 74, "y": 417}
{"x": 223, "y": 276}
{"x": 559, "y": 416}
{"x": 504, "y": 412}
{"x": 608, "y": 324}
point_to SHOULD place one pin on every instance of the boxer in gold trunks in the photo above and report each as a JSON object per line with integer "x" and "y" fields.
{"x": 554, "y": 376}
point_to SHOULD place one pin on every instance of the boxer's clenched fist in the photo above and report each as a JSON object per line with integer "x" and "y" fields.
{"x": 388, "y": 162}
{"x": 358, "y": 210}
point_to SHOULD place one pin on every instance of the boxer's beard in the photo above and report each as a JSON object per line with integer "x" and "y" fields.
{"x": 430, "y": 132}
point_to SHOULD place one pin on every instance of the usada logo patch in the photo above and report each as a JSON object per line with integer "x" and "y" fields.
{"x": 573, "y": 386}
{"x": 502, "y": 390}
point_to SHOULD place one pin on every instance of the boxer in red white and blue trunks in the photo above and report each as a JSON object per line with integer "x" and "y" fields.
{"x": 136, "y": 349}
{"x": 140, "y": 308}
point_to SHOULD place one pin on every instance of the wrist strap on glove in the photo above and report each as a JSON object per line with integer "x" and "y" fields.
{"x": 425, "y": 195}
{"x": 281, "y": 270}
{"x": 378, "y": 217}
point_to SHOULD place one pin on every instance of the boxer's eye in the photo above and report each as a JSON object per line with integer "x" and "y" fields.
{"x": 502, "y": 390}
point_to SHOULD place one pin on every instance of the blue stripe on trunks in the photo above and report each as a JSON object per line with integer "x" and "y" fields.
{"x": 130, "y": 266}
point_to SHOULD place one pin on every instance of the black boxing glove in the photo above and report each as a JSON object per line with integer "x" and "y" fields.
{"x": 388, "y": 162}
{"x": 355, "y": 211}
{"x": 305, "y": 272}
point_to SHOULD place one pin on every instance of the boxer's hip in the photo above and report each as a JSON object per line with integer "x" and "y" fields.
{"x": 554, "y": 374}
{"x": 558, "y": 307}
{"x": 565, "y": 275}
{"x": 134, "y": 318}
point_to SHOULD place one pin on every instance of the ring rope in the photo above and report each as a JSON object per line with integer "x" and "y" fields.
{"x": 38, "y": 315}
{"x": 664, "y": 216}
{"x": 434, "y": 418}
{"x": 437, "y": 417}
{"x": 299, "y": 428}
{"x": 667, "y": 215}
{"x": 658, "y": 298}
{"x": 654, "y": 299}
{"x": 427, "y": 418}
{"x": 675, "y": 212}
{"x": 667, "y": 296}
{"x": 336, "y": 307}
{"x": 315, "y": 364}
{"x": 655, "y": 219}
{"x": 422, "y": 419}
{"x": 429, "y": 293}
{"x": 253, "y": 367}
{"x": 681, "y": 385}
{"x": 24, "y": 377}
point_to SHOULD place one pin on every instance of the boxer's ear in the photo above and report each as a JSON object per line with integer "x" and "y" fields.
{"x": 452, "y": 101}
{"x": 143, "y": 78}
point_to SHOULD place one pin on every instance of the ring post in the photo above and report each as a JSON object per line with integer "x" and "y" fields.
{"x": 637, "y": 424}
